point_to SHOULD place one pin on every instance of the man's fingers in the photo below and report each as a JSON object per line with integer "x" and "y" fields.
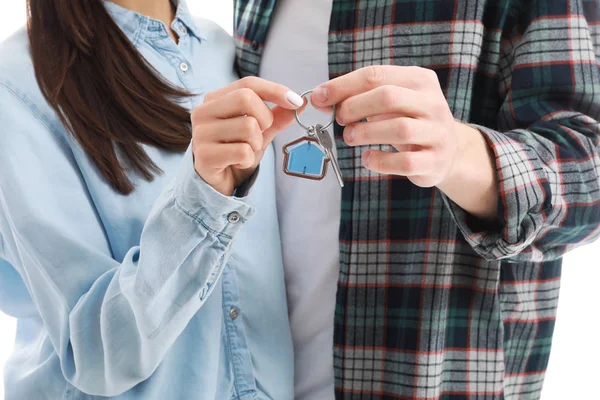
{"x": 235, "y": 104}
{"x": 368, "y": 78}
{"x": 412, "y": 163}
{"x": 326, "y": 110}
{"x": 383, "y": 100}
{"x": 268, "y": 91}
{"x": 382, "y": 117}
{"x": 396, "y": 131}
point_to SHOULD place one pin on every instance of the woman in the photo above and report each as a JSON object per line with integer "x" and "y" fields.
{"x": 137, "y": 269}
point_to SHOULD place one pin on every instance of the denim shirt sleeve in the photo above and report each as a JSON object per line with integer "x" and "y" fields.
{"x": 110, "y": 322}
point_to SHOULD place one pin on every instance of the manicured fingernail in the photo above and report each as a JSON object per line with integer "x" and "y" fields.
{"x": 350, "y": 134}
{"x": 366, "y": 158}
{"x": 321, "y": 94}
{"x": 294, "y": 98}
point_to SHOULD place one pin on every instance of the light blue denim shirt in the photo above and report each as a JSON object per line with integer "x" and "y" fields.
{"x": 173, "y": 292}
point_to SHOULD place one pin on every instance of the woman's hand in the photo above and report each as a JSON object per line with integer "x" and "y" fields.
{"x": 234, "y": 127}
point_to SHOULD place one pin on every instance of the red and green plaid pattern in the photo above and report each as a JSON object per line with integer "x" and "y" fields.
{"x": 432, "y": 304}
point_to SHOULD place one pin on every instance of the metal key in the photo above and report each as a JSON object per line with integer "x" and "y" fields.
{"x": 326, "y": 142}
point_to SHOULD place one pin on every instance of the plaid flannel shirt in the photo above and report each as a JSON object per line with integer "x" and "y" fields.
{"x": 432, "y": 304}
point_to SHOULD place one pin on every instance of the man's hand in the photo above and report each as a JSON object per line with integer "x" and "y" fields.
{"x": 406, "y": 108}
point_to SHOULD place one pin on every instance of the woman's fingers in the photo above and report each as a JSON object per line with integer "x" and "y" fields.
{"x": 238, "y": 103}
{"x": 268, "y": 91}
{"x": 282, "y": 119}
{"x": 233, "y": 130}
{"x": 213, "y": 158}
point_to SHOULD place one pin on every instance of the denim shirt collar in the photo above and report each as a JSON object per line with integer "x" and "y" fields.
{"x": 139, "y": 27}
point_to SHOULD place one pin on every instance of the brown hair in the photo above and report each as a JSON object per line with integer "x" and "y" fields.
{"x": 105, "y": 93}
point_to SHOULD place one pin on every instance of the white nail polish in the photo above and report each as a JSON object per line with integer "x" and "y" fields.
{"x": 294, "y": 98}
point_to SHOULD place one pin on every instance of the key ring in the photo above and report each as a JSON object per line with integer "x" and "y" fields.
{"x": 306, "y": 127}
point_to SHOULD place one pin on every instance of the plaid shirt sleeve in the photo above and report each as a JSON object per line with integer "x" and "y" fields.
{"x": 547, "y": 147}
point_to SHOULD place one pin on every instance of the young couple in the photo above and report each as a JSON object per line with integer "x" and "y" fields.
{"x": 147, "y": 256}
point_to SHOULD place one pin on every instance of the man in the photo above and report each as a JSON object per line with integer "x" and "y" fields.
{"x": 463, "y": 187}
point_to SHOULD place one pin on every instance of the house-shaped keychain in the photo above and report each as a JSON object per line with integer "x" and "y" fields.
{"x": 305, "y": 158}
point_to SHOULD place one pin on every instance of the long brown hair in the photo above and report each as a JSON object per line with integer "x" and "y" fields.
{"x": 105, "y": 93}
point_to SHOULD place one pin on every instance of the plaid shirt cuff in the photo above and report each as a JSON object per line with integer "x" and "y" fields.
{"x": 523, "y": 202}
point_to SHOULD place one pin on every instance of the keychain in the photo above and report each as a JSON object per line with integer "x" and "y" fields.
{"x": 308, "y": 156}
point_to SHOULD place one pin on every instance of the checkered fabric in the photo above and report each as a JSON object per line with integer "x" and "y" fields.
{"x": 431, "y": 303}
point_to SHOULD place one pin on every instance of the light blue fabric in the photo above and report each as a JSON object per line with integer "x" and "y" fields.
{"x": 132, "y": 296}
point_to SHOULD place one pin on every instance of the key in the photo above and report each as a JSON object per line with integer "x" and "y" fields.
{"x": 307, "y": 156}
{"x": 326, "y": 142}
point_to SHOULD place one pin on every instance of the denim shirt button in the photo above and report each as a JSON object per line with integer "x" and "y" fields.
{"x": 233, "y": 217}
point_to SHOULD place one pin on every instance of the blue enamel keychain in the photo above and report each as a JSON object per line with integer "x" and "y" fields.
{"x": 307, "y": 157}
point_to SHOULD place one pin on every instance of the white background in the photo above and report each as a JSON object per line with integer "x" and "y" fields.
{"x": 574, "y": 371}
